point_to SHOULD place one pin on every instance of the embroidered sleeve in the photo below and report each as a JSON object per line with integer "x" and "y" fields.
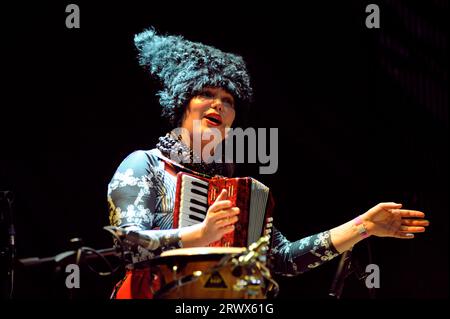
{"x": 293, "y": 258}
{"x": 134, "y": 196}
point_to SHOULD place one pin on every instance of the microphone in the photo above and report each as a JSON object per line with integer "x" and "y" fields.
{"x": 343, "y": 271}
{"x": 148, "y": 241}
{"x": 133, "y": 238}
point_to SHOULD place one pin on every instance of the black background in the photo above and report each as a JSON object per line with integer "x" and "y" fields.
{"x": 362, "y": 117}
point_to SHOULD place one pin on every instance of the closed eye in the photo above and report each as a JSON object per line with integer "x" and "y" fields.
{"x": 206, "y": 94}
{"x": 229, "y": 102}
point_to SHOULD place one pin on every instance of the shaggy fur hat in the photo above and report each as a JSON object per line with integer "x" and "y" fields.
{"x": 185, "y": 67}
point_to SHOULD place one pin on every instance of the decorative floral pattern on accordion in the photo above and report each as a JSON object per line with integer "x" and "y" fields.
{"x": 141, "y": 195}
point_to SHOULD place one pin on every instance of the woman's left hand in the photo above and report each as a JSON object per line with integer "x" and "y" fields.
{"x": 389, "y": 220}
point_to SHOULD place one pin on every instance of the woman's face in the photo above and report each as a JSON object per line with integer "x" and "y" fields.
{"x": 213, "y": 108}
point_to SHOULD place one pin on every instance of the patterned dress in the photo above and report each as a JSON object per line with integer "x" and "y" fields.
{"x": 141, "y": 195}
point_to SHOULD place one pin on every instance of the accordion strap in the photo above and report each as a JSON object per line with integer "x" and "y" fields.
{"x": 158, "y": 154}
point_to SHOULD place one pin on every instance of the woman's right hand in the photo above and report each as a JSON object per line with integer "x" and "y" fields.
{"x": 220, "y": 219}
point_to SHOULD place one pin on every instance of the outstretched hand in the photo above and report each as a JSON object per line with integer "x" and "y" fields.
{"x": 389, "y": 220}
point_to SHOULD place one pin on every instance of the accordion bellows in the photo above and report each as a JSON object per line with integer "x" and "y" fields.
{"x": 194, "y": 195}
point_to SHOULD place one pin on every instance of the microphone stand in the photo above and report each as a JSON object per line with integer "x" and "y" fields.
{"x": 347, "y": 266}
{"x": 343, "y": 271}
{"x": 59, "y": 258}
{"x": 81, "y": 254}
{"x": 10, "y": 249}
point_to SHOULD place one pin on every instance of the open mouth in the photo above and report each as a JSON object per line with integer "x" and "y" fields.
{"x": 214, "y": 119}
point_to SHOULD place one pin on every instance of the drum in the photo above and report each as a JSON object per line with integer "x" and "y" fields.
{"x": 207, "y": 273}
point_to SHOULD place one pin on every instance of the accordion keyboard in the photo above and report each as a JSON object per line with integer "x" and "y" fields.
{"x": 193, "y": 201}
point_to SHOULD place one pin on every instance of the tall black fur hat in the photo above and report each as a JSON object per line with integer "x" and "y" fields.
{"x": 185, "y": 67}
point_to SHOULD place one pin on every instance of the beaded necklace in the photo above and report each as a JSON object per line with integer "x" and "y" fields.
{"x": 172, "y": 147}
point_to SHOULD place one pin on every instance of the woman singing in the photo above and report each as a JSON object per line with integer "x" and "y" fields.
{"x": 203, "y": 84}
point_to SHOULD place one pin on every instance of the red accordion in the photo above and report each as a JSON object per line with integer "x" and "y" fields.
{"x": 194, "y": 195}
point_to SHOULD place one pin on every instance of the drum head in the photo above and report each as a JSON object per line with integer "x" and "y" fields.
{"x": 195, "y": 251}
{"x": 184, "y": 255}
